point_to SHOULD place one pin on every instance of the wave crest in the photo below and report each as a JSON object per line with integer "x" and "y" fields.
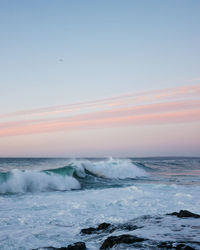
{"x": 110, "y": 168}
{"x": 69, "y": 177}
{"x": 34, "y": 181}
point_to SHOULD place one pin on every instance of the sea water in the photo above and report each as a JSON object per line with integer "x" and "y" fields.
{"x": 46, "y": 202}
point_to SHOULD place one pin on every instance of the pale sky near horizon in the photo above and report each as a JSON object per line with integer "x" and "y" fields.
{"x": 99, "y": 78}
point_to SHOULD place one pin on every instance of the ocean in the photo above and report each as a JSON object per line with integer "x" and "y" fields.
{"x": 46, "y": 202}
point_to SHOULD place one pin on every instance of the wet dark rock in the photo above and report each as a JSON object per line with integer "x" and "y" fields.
{"x": 129, "y": 227}
{"x": 115, "y": 240}
{"x": 183, "y": 247}
{"x": 75, "y": 246}
{"x": 101, "y": 227}
{"x": 185, "y": 214}
{"x": 88, "y": 230}
{"x": 174, "y": 245}
{"x": 107, "y": 227}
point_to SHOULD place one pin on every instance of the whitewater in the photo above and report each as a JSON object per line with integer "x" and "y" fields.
{"x": 45, "y": 202}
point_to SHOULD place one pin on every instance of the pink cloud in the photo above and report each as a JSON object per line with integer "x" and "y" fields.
{"x": 176, "y": 93}
{"x": 170, "y": 112}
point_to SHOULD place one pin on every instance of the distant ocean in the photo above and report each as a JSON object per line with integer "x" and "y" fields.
{"x": 46, "y": 202}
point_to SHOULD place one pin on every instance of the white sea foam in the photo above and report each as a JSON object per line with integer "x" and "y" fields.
{"x": 30, "y": 221}
{"x": 34, "y": 181}
{"x": 113, "y": 168}
{"x": 22, "y": 181}
{"x": 78, "y": 168}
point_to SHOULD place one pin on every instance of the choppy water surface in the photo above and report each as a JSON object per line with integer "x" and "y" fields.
{"x": 46, "y": 202}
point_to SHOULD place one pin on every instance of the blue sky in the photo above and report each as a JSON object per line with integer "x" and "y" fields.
{"x": 62, "y": 52}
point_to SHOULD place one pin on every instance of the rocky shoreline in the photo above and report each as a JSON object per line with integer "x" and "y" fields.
{"x": 132, "y": 240}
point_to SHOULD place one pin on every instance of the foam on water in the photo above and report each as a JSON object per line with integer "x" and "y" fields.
{"x": 30, "y": 220}
{"x": 68, "y": 177}
{"x": 56, "y": 218}
{"x": 113, "y": 169}
{"x": 34, "y": 181}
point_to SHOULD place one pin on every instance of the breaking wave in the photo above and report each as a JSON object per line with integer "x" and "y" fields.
{"x": 114, "y": 169}
{"x": 68, "y": 177}
{"x": 33, "y": 181}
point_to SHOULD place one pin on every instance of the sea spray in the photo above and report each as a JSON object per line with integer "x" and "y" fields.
{"x": 88, "y": 173}
{"x": 33, "y": 219}
{"x": 34, "y": 181}
{"x": 114, "y": 169}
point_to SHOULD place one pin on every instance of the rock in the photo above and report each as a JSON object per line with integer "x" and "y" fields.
{"x": 184, "y": 214}
{"x": 101, "y": 227}
{"x": 183, "y": 247}
{"x": 75, "y": 246}
{"x": 89, "y": 230}
{"x": 174, "y": 245}
{"x": 108, "y": 228}
{"x": 115, "y": 240}
{"x": 129, "y": 227}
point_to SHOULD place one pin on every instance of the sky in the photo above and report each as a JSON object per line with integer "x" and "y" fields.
{"x": 99, "y": 78}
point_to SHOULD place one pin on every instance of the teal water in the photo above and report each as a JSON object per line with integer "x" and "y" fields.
{"x": 96, "y": 173}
